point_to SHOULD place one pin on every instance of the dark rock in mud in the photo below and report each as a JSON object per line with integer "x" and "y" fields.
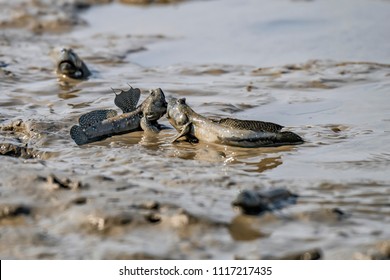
{"x": 123, "y": 188}
{"x": 153, "y": 218}
{"x": 12, "y": 150}
{"x": 253, "y": 202}
{"x": 79, "y": 200}
{"x": 7, "y": 74}
{"x": 312, "y": 254}
{"x": 11, "y": 210}
{"x": 104, "y": 178}
{"x": 55, "y": 183}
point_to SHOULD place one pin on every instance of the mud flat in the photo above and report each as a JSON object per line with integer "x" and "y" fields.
{"x": 136, "y": 197}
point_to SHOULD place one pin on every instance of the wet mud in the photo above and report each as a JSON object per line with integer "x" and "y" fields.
{"x": 134, "y": 196}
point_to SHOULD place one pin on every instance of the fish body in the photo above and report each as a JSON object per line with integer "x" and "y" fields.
{"x": 100, "y": 124}
{"x": 228, "y": 131}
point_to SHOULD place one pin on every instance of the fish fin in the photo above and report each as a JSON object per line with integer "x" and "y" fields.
{"x": 95, "y": 117}
{"x": 78, "y": 135}
{"x": 184, "y": 131}
{"x": 250, "y": 125}
{"x": 249, "y": 142}
{"x": 127, "y": 100}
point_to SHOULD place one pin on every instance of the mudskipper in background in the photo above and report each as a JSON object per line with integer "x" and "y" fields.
{"x": 69, "y": 65}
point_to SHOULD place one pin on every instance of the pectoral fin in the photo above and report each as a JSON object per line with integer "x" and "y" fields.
{"x": 149, "y": 127}
{"x": 78, "y": 135}
{"x": 184, "y": 131}
{"x": 127, "y": 100}
{"x": 95, "y": 117}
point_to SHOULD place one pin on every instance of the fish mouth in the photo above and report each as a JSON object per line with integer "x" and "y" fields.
{"x": 67, "y": 64}
{"x": 159, "y": 111}
{"x": 67, "y": 67}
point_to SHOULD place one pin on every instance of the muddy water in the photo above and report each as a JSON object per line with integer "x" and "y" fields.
{"x": 296, "y": 63}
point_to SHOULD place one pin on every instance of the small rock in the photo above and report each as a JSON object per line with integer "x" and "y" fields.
{"x": 253, "y": 202}
{"x": 12, "y": 150}
{"x": 54, "y": 183}
{"x": 9, "y": 210}
{"x": 153, "y": 217}
{"x": 79, "y": 200}
{"x": 106, "y": 222}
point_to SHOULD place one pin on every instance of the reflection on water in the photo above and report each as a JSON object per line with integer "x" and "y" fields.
{"x": 242, "y": 228}
{"x": 265, "y": 164}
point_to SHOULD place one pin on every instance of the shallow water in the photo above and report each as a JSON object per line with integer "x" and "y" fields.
{"x": 296, "y": 63}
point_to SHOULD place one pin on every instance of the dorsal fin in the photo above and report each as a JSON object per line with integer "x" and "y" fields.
{"x": 250, "y": 125}
{"x": 127, "y": 100}
{"x": 95, "y": 117}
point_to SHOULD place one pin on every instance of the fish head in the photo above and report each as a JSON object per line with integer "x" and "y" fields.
{"x": 177, "y": 112}
{"x": 69, "y": 65}
{"x": 155, "y": 106}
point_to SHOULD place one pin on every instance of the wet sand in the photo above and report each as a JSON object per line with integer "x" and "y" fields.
{"x": 321, "y": 72}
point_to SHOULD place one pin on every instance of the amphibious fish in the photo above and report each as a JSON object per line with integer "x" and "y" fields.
{"x": 228, "y": 131}
{"x": 100, "y": 124}
{"x": 69, "y": 65}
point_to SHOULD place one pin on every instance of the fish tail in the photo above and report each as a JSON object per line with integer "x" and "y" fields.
{"x": 78, "y": 135}
{"x": 289, "y": 137}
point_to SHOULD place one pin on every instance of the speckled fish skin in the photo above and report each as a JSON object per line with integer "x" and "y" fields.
{"x": 70, "y": 65}
{"x": 94, "y": 127}
{"x": 233, "y": 132}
